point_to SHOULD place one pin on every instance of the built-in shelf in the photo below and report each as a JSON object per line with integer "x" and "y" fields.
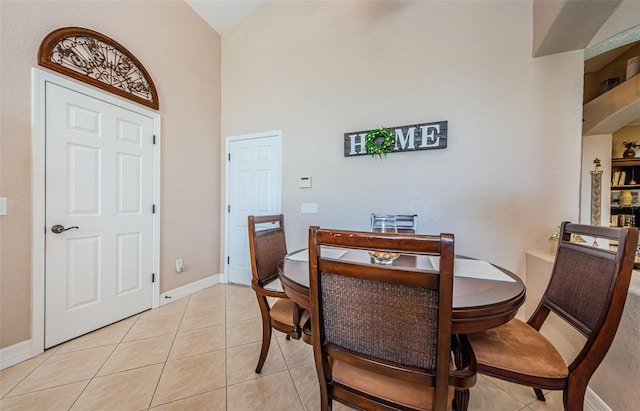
{"x": 620, "y": 105}
{"x": 627, "y": 187}
{"x": 625, "y": 198}
{"x": 620, "y": 162}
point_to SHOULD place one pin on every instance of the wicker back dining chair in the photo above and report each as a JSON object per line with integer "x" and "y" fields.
{"x": 382, "y": 333}
{"x": 267, "y": 248}
{"x": 588, "y": 288}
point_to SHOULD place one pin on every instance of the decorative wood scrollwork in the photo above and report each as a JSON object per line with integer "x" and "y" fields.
{"x": 96, "y": 59}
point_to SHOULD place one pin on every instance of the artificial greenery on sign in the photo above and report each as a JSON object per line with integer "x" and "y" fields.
{"x": 379, "y": 142}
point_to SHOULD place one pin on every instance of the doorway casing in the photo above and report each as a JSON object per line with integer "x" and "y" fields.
{"x": 277, "y": 134}
{"x": 39, "y": 78}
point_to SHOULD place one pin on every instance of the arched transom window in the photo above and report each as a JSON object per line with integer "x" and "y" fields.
{"x": 96, "y": 59}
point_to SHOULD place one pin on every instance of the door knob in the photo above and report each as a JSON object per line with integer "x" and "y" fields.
{"x": 60, "y": 228}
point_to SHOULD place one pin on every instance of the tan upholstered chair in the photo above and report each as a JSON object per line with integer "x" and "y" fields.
{"x": 588, "y": 288}
{"x": 268, "y": 247}
{"x": 382, "y": 333}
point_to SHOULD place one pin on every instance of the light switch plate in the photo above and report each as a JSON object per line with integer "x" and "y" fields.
{"x": 305, "y": 182}
{"x": 309, "y": 208}
{"x": 3, "y": 205}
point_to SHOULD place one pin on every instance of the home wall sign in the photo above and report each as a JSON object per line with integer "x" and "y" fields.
{"x": 96, "y": 59}
{"x": 414, "y": 137}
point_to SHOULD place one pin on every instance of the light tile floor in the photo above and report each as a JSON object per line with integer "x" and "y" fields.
{"x": 196, "y": 353}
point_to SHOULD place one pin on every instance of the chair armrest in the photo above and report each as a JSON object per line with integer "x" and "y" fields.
{"x": 267, "y": 293}
{"x": 466, "y": 372}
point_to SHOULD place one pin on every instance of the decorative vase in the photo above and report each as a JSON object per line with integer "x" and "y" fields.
{"x": 626, "y": 198}
{"x": 383, "y": 223}
{"x": 629, "y": 153}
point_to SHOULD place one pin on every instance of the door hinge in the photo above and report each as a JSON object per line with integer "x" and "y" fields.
{"x": 153, "y": 277}
{"x": 228, "y": 260}
{"x": 229, "y": 156}
{"x": 154, "y": 139}
{"x": 228, "y": 208}
{"x": 153, "y": 209}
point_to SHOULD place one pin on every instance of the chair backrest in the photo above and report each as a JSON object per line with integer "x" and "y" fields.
{"x": 267, "y": 246}
{"x": 406, "y": 223}
{"x": 388, "y": 319}
{"x": 588, "y": 287}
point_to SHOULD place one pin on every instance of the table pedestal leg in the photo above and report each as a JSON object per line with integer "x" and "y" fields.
{"x": 461, "y": 400}
{"x": 460, "y": 396}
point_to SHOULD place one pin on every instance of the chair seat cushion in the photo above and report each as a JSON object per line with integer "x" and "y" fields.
{"x": 518, "y": 348}
{"x": 414, "y": 395}
{"x": 283, "y": 311}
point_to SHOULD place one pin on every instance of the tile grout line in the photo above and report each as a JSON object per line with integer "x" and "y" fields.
{"x": 55, "y": 352}
{"x": 105, "y": 361}
{"x": 164, "y": 365}
{"x": 6, "y": 395}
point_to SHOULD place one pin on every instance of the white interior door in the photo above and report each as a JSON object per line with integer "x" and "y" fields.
{"x": 99, "y": 188}
{"x": 254, "y": 184}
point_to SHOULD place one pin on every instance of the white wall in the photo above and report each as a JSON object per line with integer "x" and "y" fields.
{"x": 316, "y": 70}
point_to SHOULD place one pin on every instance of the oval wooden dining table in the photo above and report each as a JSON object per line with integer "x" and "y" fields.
{"x": 478, "y": 304}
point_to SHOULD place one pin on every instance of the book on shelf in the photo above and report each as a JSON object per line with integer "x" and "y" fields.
{"x": 619, "y": 178}
{"x": 623, "y": 220}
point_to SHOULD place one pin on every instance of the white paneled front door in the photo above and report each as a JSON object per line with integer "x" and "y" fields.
{"x": 99, "y": 241}
{"x": 253, "y": 188}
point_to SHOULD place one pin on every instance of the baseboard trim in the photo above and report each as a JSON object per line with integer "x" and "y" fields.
{"x": 194, "y": 287}
{"x": 594, "y": 403}
{"x": 15, "y": 353}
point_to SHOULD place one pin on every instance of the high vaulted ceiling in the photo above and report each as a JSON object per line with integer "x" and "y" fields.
{"x": 566, "y": 25}
{"x": 558, "y": 25}
{"x": 224, "y": 15}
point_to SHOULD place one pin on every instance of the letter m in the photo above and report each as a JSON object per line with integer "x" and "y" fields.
{"x": 402, "y": 140}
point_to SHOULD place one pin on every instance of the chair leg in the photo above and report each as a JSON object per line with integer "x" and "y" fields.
{"x": 326, "y": 403}
{"x": 539, "y": 394}
{"x": 266, "y": 331}
{"x": 573, "y": 396}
